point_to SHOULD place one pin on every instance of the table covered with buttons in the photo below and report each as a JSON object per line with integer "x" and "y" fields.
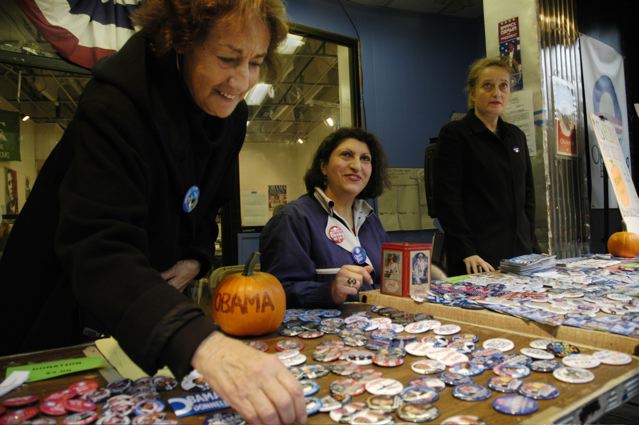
{"x": 382, "y": 364}
{"x": 373, "y": 364}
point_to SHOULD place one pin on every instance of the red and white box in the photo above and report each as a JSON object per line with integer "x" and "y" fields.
{"x": 405, "y": 268}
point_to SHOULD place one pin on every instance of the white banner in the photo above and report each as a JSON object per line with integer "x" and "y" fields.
{"x": 613, "y": 158}
{"x": 605, "y": 89}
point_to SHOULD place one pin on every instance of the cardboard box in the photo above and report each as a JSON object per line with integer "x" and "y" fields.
{"x": 405, "y": 268}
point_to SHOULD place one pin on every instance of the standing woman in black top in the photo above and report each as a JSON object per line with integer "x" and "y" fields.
{"x": 485, "y": 197}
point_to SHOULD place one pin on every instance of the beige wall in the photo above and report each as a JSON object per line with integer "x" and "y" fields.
{"x": 36, "y": 142}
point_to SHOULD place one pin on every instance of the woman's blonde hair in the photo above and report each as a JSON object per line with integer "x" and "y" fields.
{"x": 180, "y": 24}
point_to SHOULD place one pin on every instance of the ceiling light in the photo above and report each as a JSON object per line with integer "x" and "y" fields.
{"x": 25, "y": 118}
{"x": 330, "y": 121}
{"x": 292, "y": 43}
{"x": 300, "y": 141}
{"x": 256, "y": 95}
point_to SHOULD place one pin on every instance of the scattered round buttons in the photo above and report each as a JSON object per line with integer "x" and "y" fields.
{"x": 573, "y": 375}
{"x": 471, "y": 392}
{"x": 329, "y": 403}
{"x": 309, "y": 387}
{"x": 453, "y": 379}
{"x": 562, "y": 349}
{"x": 447, "y": 329}
{"x": 417, "y": 412}
{"x": 512, "y": 370}
{"x": 537, "y": 353}
{"x": 148, "y": 407}
{"x": 19, "y": 416}
{"x": 370, "y": 417}
{"x": 515, "y": 405}
{"x": 614, "y": 358}
{"x": 20, "y": 401}
{"x": 119, "y": 387}
{"x": 344, "y": 413}
{"x": 539, "y": 390}
{"x": 584, "y": 361}
{"x": 344, "y": 368}
{"x": 385, "y": 386}
{"x": 540, "y": 344}
{"x": 464, "y": 420}
{"x": 346, "y": 387}
{"x": 470, "y": 368}
{"x": 504, "y": 384}
{"x": 501, "y": 344}
{"x": 427, "y": 381}
{"x": 310, "y": 334}
{"x": 466, "y": 337}
{"x": 81, "y": 418}
{"x": 384, "y": 403}
{"x": 419, "y": 395}
{"x": 427, "y": 366}
{"x": 84, "y": 386}
{"x": 314, "y": 371}
{"x": 387, "y": 360}
{"x": 418, "y": 348}
{"x": 545, "y": 365}
{"x": 53, "y": 408}
{"x": 288, "y": 344}
{"x": 79, "y": 405}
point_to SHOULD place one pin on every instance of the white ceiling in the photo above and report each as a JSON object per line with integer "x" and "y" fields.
{"x": 458, "y": 8}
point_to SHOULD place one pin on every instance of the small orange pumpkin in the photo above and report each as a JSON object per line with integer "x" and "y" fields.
{"x": 249, "y": 303}
{"x": 624, "y": 244}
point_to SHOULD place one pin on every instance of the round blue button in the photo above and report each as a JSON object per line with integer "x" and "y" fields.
{"x": 359, "y": 255}
{"x": 191, "y": 199}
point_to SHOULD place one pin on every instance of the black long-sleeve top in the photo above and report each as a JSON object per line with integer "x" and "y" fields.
{"x": 484, "y": 192}
{"x": 106, "y": 216}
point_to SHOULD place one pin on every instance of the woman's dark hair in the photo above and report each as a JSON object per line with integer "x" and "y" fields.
{"x": 181, "y": 24}
{"x": 379, "y": 176}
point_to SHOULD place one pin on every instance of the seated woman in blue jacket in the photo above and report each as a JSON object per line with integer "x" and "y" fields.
{"x": 326, "y": 246}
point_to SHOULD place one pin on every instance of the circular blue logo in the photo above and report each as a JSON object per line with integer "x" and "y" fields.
{"x": 191, "y": 199}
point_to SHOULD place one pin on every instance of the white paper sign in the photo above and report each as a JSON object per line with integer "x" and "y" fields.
{"x": 618, "y": 173}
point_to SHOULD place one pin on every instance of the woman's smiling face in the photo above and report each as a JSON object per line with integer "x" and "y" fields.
{"x": 348, "y": 169}
{"x": 220, "y": 70}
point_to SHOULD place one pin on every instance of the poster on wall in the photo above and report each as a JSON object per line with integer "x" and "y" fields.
{"x": 565, "y": 105}
{"x": 510, "y": 50}
{"x": 11, "y": 191}
{"x": 520, "y": 111}
{"x": 9, "y": 136}
{"x": 615, "y": 163}
{"x": 276, "y": 197}
{"x": 605, "y": 90}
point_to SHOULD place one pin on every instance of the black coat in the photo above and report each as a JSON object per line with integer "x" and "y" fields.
{"x": 106, "y": 216}
{"x": 484, "y": 192}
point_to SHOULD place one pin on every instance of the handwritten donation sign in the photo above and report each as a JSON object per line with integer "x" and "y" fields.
{"x": 618, "y": 171}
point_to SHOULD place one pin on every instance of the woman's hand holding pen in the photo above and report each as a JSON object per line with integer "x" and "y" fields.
{"x": 349, "y": 280}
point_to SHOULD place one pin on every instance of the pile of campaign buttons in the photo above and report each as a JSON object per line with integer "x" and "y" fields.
{"x": 81, "y": 404}
{"x": 354, "y": 355}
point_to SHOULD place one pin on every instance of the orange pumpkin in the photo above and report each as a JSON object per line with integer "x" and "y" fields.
{"x": 624, "y": 244}
{"x": 249, "y": 303}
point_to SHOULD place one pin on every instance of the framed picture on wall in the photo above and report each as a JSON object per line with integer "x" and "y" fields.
{"x": 11, "y": 190}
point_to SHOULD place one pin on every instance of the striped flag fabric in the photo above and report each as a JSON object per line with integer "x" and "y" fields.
{"x": 82, "y": 31}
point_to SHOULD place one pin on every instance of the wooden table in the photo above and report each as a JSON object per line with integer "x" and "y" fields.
{"x": 492, "y": 320}
{"x": 610, "y": 381}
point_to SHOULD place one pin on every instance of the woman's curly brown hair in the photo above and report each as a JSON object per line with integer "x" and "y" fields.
{"x": 180, "y": 24}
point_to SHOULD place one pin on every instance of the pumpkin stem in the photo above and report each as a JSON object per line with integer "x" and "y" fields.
{"x": 624, "y": 228}
{"x": 250, "y": 264}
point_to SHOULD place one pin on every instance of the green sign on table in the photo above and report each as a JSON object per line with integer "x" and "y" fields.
{"x": 48, "y": 370}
